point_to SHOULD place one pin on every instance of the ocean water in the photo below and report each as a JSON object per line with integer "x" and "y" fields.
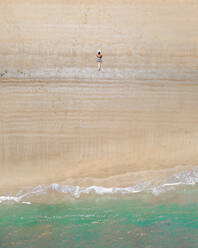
{"x": 149, "y": 215}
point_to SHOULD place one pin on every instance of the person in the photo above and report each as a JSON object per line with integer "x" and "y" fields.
{"x": 99, "y": 59}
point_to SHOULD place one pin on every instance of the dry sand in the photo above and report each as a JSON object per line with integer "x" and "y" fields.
{"x": 60, "y": 121}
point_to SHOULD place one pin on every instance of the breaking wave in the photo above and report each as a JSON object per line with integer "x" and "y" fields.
{"x": 184, "y": 178}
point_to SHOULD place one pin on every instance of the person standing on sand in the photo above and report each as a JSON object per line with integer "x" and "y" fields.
{"x": 99, "y": 59}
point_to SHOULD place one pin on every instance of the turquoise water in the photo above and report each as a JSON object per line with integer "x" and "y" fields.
{"x": 137, "y": 220}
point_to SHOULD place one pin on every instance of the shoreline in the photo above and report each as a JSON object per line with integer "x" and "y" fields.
{"x": 155, "y": 177}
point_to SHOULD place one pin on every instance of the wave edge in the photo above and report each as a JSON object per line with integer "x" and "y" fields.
{"x": 156, "y": 188}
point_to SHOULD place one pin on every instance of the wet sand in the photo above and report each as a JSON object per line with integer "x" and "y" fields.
{"x": 80, "y": 132}
{"x": 61, "y": 121}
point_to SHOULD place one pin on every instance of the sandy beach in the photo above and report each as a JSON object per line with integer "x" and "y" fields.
{"x": 62, "y": 121}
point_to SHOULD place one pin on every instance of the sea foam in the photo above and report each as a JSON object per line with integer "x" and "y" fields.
{"x": 156, "y": 188}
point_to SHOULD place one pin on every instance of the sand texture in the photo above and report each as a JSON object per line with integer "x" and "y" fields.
{"x": 62, "y": 121}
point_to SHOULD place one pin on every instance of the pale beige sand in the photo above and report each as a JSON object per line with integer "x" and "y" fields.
{"x": 54, "y": 131}
{"x": 97, "y": 132}
{"x": 66, "y": 33}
